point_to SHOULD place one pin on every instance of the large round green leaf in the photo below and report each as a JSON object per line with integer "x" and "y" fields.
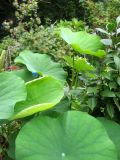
{"x": 12, "y": 90}
{"x": 84, "y": 42}
{"x": 42, "y": 93}
{"x": 113, "y": 130}
{"x": 42, "y": 64}
{"x": 72, "y": 136}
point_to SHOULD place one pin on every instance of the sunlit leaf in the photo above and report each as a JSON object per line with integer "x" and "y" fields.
{"x": 42, "y": 94}
{"x": 83, "y": 42}
{"x": 12, "y": 90}
{"x": 80, "y": 64}
{"x": 41, "y": 64}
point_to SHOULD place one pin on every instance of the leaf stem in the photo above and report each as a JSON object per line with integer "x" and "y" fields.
{"x": 76, "y": 80}
{"x": 73, "y": 72}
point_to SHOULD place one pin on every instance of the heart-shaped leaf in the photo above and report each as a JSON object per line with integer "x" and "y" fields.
{"x": 92, "y": 102}
{"x": 84, "y": 42}
{"x": 72, "y": 136}
{"x": 42, "y": 64}
{"x": 113, "y": 130}
{"x": 42, "y": 93}
{"x": 12, "y": 90}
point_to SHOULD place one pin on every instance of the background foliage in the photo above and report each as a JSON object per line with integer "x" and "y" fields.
{"x": 54, "y": 10}
{"x": 91, "y": 64}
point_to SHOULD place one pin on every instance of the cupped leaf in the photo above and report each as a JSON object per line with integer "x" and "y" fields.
{"x": 84, "y": 42}
{"x": 80, "y": 64}
{"x": 42, "y": 94}
{"x": 24, "y": 74}
{"x": 42, "y": 64}
{"x": 12, "y": 90}
{"x": 113, "y": 130}
{"x": 72, "y": 136}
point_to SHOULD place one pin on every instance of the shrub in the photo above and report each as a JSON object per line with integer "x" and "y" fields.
{"x": 42, "y": 40}
{"x": 95, "y": 90}
{"x": 101, "y": 12}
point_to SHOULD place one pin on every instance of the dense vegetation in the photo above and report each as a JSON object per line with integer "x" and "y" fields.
{"x": 60, "y": 80}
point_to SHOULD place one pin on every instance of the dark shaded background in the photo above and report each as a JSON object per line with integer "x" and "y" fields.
{"x": 52, "y": 9}
{"x": 6, "y": 10}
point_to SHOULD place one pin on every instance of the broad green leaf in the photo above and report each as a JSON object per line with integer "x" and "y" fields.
{"x": 91, "y": 75}
{"x": 24, "y": 74}
{"x": 42, "y": 94}
{"x": 12, "y": 90}
{"x": 117, "y": 62}
{"x": 113, "y": 130}
{"x": 107, "y": 93}
{"x": 42, "y": 64}
{"x": 110, "y": 110}
{"x": 72, "y": 136}
{"x": 80, "y": 64}
{"x": 92, "y": 90}
{"x": 92, "y": 102}
{"x": 83, "y": 42}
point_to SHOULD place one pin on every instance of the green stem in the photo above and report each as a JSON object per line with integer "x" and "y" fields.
{"x": 76, "y": 80}
{"x": 73, "y": 72}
